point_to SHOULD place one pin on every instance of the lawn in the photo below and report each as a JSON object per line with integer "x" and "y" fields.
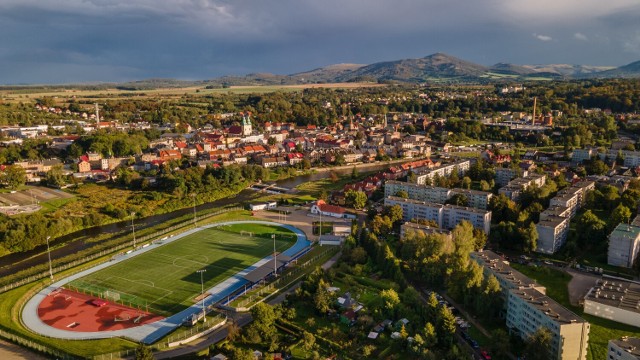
{"x": 165, "y": 279}
{"x": 601, "y": 331}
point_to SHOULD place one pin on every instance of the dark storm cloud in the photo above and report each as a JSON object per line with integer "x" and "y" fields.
{"x": 113, "y": 40}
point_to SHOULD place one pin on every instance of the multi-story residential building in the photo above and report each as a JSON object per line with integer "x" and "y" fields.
{"x": 529, "y": 310}
{"x": 444, "y": 170}
{"x": 624, "y": 243}
{"x": 552, "y": 233}
{"x": 555, "y": 211}
{"x": 446, "y": 216}
{"x": 573, "y": 197}
{"x": 580, "y": 155}
{"x": 614, "y": 299}
{"x": 515, "y": 187}
{"x": 504, "y": 175}
{"x": 625, "y": 348}
{"x": 417, "y": 192}
{"x": 476, "y": 199}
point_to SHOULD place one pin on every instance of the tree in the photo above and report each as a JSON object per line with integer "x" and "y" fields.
{"x": 446, "y": 325}
{"x": 538, "y": 345}
{"x": 529, "y": 236}
{"x": 590, "y": 229}
{"x": 390, "y": 299}
{"x": 500, "y": 344}
{"x": 402, "y": 194}
{"x": 621, "y": 214}
{"x": 272, "y": 141}
{"x": 322, "y": 298}
{"x": 354, "y": 172}
{"x": 430, "y": 337}
{"x": 233, "y": 330}
{"x": 458, "y": 199}
{"x": 242, "y": 354}
{"x": 55, "y": 177}
{"x": 395, "y": 213}
{"x": 466, "y": 182}
{"x": 144, "y": 352}
{"x": 484, "y": 185}
{"x": 308, "y": 340}
{"x": 14, "y": 176}
{"x": 357, "y": 199}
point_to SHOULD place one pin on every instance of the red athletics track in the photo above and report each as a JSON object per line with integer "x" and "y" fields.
{"x": 72, "y": 311}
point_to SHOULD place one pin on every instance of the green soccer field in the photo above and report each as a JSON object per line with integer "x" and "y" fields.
{"x": 165, "y": 281}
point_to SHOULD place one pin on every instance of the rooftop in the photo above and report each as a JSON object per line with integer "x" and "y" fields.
{"x": 626, "y": 231}
{"x": 503, "y": 270}
{"x": 616, "y": 293}
{"x": 548, "y": 306}
{"x": 629, "y": 344}
{"x": 552, "y": 221}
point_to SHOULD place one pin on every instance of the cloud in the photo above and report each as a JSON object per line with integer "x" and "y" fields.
{"x": 542, "y": 37}
{"x": 632, "y": 43}
{"x": 581, "y": 36}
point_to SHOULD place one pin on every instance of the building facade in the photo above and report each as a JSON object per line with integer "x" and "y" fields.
{"x": 625, "y": 348}
{"x": 624, "y": 243}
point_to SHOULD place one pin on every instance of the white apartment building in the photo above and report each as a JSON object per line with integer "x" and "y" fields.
{"x": 552, "y": 233}
{"x": 476, "y": 199}
{"x": 625, "y": 348}
{"x": 580, "y": 155}
{"x": 624, "y": 243}
{"x": 443, "y": 171}
{"x": 515, "y": 187}
{"x": 529, "y": 310}
{"x": 446, "y": 216}
{"x": 504, "y": 175}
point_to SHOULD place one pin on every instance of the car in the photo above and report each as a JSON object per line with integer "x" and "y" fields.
{"x": 466, "y": 336}
{"x": 474, "y": 344}
{"x": 547, "y": 262}
{"x": 485, "y": 355}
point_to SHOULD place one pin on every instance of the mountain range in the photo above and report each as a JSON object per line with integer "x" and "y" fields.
{"x": 437, "y": 67}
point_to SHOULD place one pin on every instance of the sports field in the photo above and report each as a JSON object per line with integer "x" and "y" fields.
{"x": 164, "y": 280}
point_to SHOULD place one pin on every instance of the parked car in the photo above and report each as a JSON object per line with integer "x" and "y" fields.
{"x": 485, "y": 355}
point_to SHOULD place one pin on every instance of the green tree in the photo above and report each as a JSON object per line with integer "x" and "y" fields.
{"x": 14, "y": 176}
{"x": 538, "y": 345}
{"x": 591, "y": 230}
{"x": 430, "y": 337}
{"x": 144, "y": 352}
{"x": 529, "y": 236}
{"x": 500, "y": 344}
{"x": 402, "y": 194}
{"x": 55, "y": 177}
{"x": 621, "y": 214}
{"x": 466, "y": 182}
{"x": 446, "y": 326}
{"x": 458, "y": 200}
{"x": 308, "y": 340}
{"x": 322, "y": 298}
{"x": 354, "y": 172}
{"x": 390, "y": 299}
{"x": 242, "y": 354}
{"x": 357, "y": 199}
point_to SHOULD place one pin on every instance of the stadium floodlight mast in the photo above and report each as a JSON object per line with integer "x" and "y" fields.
{"x": 204, "y": 314}
{"x": 275, "y": 256}
{"x": 193, "y": 195}
{"x": 133, "y": 229}
{"x": 49, "y": 254}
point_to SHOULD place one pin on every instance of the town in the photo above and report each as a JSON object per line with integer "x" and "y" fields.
{"x": 478, "y": 222}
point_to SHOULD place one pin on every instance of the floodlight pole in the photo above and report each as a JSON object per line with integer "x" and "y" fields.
{"x": 194, "y": 209}
{"x": 204, "y": 314}
{"x": 275, "y": 267}
{"x": 49, "y": 255}
{"x": 133, "y": 229}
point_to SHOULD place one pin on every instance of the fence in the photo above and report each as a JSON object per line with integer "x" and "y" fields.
{"x": 142, "y": 239}
{"x": 35, "y": 346}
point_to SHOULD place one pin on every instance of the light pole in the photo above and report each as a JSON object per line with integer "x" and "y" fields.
{"x": 275, "y": 266}
{"x": 133, "y": 229}
{"x": 49, "y": 254}
{"x": 194, "y": 209}
{"x": 204, "y": 314}
{"x": 320, "y": 230}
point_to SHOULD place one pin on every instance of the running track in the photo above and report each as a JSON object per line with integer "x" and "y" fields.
{"x": 150, "y": 333}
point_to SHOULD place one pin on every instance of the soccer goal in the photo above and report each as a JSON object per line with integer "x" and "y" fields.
{"x": 246, "y": 233}
{"x": 112, "y": 295}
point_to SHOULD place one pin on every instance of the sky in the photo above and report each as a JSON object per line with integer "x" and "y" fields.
{"x": 76, "y": 41}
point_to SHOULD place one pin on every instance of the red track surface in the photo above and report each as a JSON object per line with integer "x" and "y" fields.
{"x": 72, "y": 311}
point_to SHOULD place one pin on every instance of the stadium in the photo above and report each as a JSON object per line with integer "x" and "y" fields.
{"x": 146, "y": 293}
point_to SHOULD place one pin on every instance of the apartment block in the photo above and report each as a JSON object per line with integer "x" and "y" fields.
{"x": 552, "y": 233}
{"x": 446, "y": 216}
{"x": 529, "y": 310}
{"x": 515, "y": 187}
{"x": 580, "y": 155}
{"x": 625, "y": 348}
{"x": 504, "y": 175}
{"x": 443, "y": 171}
{"x": 624, "y": 243}
{"x": 476, "y": 199}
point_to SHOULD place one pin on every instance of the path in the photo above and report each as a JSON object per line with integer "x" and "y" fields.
{"x": 9, "y": 351}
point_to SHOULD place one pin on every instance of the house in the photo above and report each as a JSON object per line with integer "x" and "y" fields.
{"x": 322, "y": 208}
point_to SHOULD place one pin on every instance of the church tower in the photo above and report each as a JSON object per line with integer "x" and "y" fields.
{"x": 247, "y": 128}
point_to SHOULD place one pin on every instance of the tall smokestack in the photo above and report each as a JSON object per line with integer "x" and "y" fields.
{"x": 535, "y": 102}
{"x": 97, "y": 112}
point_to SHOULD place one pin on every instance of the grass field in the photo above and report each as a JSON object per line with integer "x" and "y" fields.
{"x": 165, "y": 279}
